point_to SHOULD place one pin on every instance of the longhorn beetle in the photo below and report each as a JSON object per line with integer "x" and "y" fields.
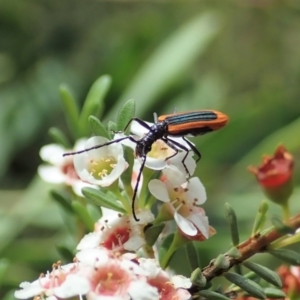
{"x": 191, "y": 123}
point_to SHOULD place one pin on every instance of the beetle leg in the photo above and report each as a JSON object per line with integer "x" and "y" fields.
{"x": 136, "y": 188}
{"x": 195, "y": 150}
{"x": 141, "y": 122}
{"x": 173, "y": 144}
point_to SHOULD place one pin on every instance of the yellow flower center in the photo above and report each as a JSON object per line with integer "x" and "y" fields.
{"x": 160, "y": 150}
{"x": 102, "y": 167}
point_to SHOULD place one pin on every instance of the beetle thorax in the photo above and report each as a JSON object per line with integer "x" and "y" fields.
{"x": 144, "y": 145}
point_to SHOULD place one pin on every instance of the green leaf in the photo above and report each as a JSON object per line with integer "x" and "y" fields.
{"x": 4, "y": 268}
{"x": 234, "y": 253}
{"x": 63, "y": 199}
{"x": 59, "y": 137}
{"x": 237, "y": 269}
{"x": 101, "y": 199}
{"x": 81, "y": 211}
{"x": 152, "y": 233}
{"x": 265, "y": 273}
{"x": 211, "y": 295}
{"x": 286, "y": 255}
{"x": 274, "y": 293}
{"x": 281, "y": 227}
{"x": 25, "y": 212}
{"x": 250, "y": 275}
{"x": 27, "y": 105}
{"x": 9, "y": 296}
{"x": 125, "y": 114}
{"x": 197, "y": 278}
{"x": 71, "y": 110}
{"x": 94, "y": 102}
{"x": 66, "y": 253}
{"x": 112, "y": 127}
{"x": 246, "y": 284}
{"x": 221, "y": 262}
{"x": 165, "y": 246}
{"x": 94, "y": 211}
{"x": 260, "y": 218}
{"x": 232, "y": 222}
{"x": 167, "y": 65}
{"x": 97, "y": 127}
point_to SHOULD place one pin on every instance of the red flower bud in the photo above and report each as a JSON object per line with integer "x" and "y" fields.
{"x": 275, "y": 175}
{"x": 290, "y": 277}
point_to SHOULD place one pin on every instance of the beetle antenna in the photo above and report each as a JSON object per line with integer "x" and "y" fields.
{"x": 98, "y": 146}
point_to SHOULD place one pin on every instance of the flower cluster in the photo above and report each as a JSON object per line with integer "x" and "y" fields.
{"x": 109, "y": 263}
{"x": 104, "y": 166}
{"x": 101, "y": 274}
{"x": 130, "y": 247}
{"x": 104, "y": 269}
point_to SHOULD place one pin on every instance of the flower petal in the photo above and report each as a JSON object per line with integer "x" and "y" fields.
{"x": 51, "y": 174}
{"x": 145, "y": 216}
{"x": 53, "y": 154}
{"x": 185, "y": 225}
{"x": 90, "y": 240}
{"x": 196, "y": 190}
{"x": 158, "y": 189}
{"x": 134, "y": 243}
{"x": 174, "y": 176}
{"x": 189, "y": 162}
{"x": 72, "y": 286}
{"x": 91, "y": 256}
{"x": 29, "y": 290}
{"x": 155, "y": 164}
{"x": 140, "y": 290}
{"x": 201, "y": 222}
{"x": 78, "y": 185}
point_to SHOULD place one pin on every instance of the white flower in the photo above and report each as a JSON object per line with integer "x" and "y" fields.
{"x": 181, "y": 199}
{"x": 61, "y": 283}
{"x": 160, "y": 151}
{"x": 169, "y": 287}
{"x": 115, "y": 277}
{"x": 60, "y": 170}
{"x": 91, "y": 256}
{"x": 101, "y": 166}
{"x": 141, "y": 290}
{"x": 118, "y": 233}
{"x": 189, "y": 162}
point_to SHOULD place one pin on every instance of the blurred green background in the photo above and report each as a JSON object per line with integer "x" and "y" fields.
{"x": 240, "y": 57}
